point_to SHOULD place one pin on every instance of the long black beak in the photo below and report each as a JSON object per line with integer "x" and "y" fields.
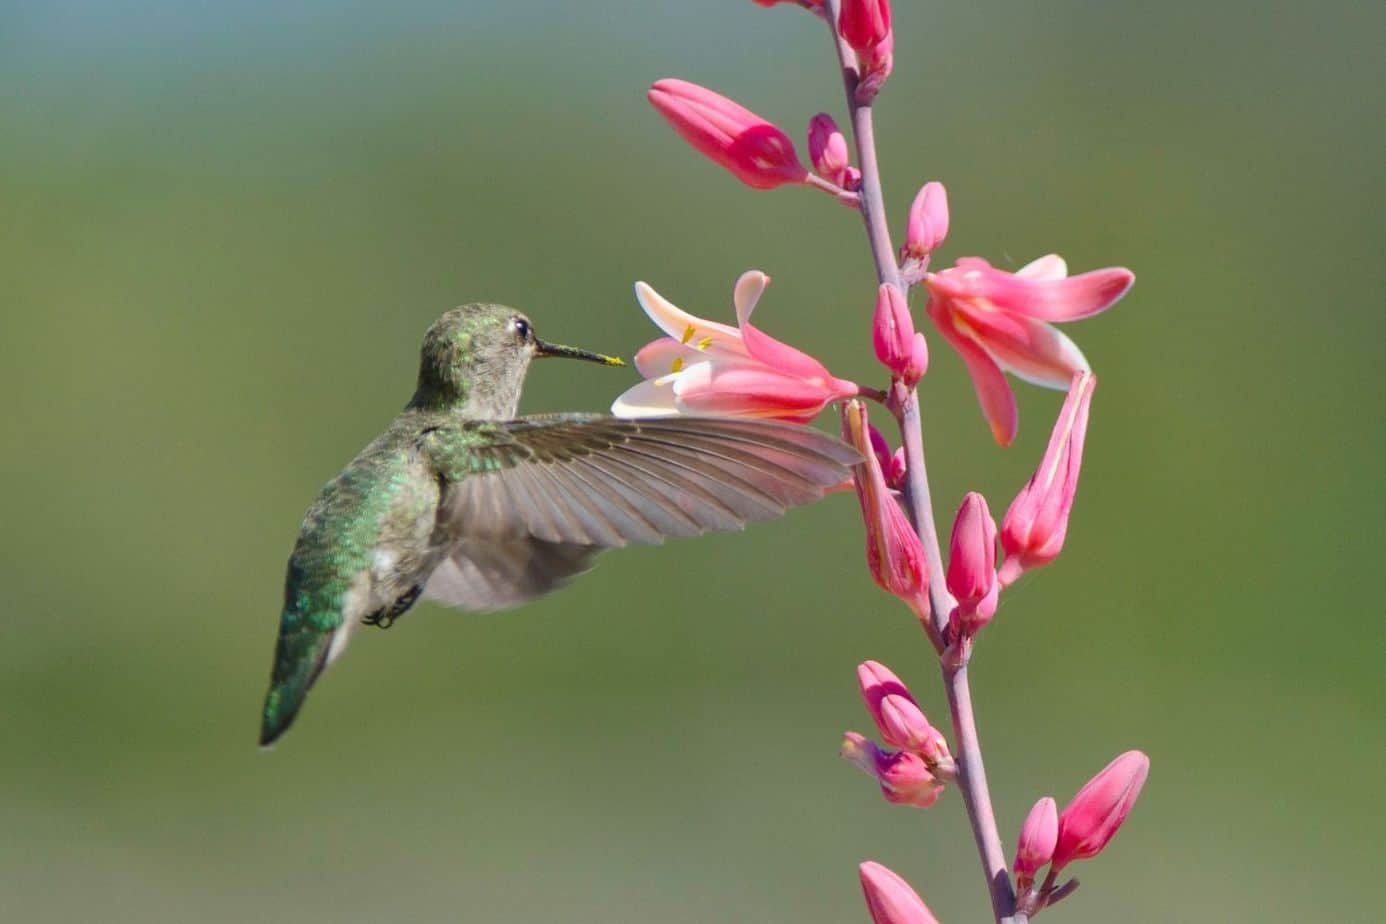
{"x": 567, "y": 352}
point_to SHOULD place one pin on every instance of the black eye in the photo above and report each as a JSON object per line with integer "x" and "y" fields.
{"x": 521, "y": 328}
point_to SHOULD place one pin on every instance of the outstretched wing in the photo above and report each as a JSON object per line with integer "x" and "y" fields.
{"x": 531, "y": 500}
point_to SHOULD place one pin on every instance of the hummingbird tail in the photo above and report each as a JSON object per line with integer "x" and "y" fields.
{"x": 299, "y": 658}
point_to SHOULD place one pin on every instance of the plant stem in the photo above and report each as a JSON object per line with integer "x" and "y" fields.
{"x": 972, "y": 779}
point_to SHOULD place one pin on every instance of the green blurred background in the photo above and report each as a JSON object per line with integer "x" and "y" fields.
{"x": 223, "y": 228}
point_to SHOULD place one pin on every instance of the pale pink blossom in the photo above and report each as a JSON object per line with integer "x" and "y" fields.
{"x": 706, "y": 367}
{"x": 1038, "y": 835}
{"x": 972, "y": 566}
{"x": 904, "y": 777}
{"x": 755, "y": 150}
{"x": 1035, "y": 525}
{"x": 893, "y": 551}
{"x": 1089, "y": 822}
{"x": 998, "y": 322}
{"x": 828, "y": 149}
{"x": 898, "y": 346}
{"x": 890, "y": 898}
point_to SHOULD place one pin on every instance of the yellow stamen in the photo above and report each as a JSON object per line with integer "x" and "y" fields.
{"x": 678, "y": 364}
{"x": 688, "y": 333}
{"x": 704, "y": 343}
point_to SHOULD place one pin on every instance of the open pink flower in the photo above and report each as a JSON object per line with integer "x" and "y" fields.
{"x": 998, "y": 322}
{"x": 706, "y": 367}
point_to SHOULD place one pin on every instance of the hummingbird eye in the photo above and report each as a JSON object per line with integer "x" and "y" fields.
{"x": 521, "y": 328}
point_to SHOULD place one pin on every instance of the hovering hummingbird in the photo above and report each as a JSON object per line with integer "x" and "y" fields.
{"x": 462, "y": 503}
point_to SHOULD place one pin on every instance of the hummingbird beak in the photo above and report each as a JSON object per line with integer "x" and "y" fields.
{"x": 557, "y": 349}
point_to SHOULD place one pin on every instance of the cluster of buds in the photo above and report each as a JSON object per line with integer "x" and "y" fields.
{"x": 916, "y": 773}
{"x": 1086, "y": 825}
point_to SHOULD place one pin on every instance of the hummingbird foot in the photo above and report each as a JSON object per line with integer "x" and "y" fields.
{"x": 385, "y": 617}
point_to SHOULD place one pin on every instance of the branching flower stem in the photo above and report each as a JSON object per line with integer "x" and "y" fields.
{"x": 972, "y": 780}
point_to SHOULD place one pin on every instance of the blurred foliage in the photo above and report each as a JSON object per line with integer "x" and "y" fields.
{"x": 223, "y": 228}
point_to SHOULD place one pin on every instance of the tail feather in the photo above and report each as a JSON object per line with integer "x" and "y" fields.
{"x": 299, "y": 657}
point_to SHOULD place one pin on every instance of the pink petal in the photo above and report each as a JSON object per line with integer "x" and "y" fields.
{"x": 749, "y": 391}
{"x": 781, "y": 356}
{"x": 993, "y": 392}
{"x": 1069, "y": 299}
{"x": 1030, "y": 349}
{"x": 685, "y": 327}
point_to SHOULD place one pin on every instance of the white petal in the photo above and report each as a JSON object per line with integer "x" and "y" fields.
{"x": 747, "y": 292}
{"x": 1051, "y": 266}
{"x": 684, "y": 327}
{"x": 651, "y": 398}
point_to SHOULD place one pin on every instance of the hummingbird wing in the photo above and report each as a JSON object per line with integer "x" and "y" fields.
{"x": 533, "y": 499}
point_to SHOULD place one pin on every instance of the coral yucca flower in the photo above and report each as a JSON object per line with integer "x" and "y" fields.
{"x": 998, "y": 322}
{"x": 705, "y": 367}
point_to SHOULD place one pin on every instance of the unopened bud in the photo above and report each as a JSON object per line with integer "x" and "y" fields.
{"x": 890, "y": 898}
{"x": 928, "y": 222}
{"x": 893, "y": 336}
{"x": 972, "y": 566}
{"x": 828, "y": 149}
{"x": 756, "y": 151}
{"x": 893, "y": 550}
{"x": 1038, "y": 836}
{"x": 1090, "y": 821}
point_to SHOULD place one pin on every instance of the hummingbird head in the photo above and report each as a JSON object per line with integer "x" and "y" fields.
{"x": 474, "y": 360}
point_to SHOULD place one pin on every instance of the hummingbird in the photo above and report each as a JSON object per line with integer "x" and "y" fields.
{"x": 461, "y": 502}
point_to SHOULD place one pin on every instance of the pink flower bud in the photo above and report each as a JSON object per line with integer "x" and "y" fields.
{"x": 928, "y": 222}
{"x": 827, "y": 148}
{"x": 890, "y": 898}
{"x": 903, "y": 724}
{"x": 897, "y": 715}
{"x": 893, "y": 549}
{"x": 904, "y": 778}
{"x": 1089, "y": 822}
{"x": 864, "y": 24}
{"x": 1037, "y": 838}
{"x": 972, "y": 565}
{"x": 1034, "y": 528}
{"x": 754, "y": 150}
{"x": 892, "y": 334}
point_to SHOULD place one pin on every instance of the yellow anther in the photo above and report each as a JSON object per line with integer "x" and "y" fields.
{"x": 678, "y": 364}
{"x": 688, "y": 333}
{"x": 704, "y": 343}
